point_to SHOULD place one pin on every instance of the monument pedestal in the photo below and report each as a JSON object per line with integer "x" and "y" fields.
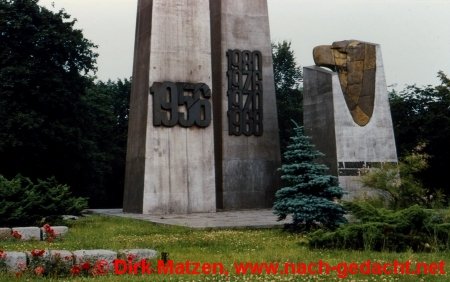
{"x": 348, "y": 147}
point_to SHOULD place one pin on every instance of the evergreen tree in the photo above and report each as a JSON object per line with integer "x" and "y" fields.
{"x": 310, "y": 194}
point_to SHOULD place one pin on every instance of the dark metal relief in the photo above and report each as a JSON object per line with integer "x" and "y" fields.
{"x": 182, "y": 103}
{"x": 245, "y": 93}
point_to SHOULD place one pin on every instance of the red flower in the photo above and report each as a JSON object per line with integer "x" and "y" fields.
{"x": 37, "y": 253}
{"x": 86, "y": 265}
{"x": 101, "y": 267}
{"x": 22, "y": 266}
{"x": 75, "y": 270}
{"x": 39, "y": 271}
{"x": 50, "y": 232}
{"x": 16, "y": 234}
{"x": 68, "y": 257}
{"x": 2, "y": 254}
{"x": 131, "y": 257}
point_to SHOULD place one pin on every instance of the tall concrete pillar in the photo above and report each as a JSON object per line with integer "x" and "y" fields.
{"x": 170, "y": 155}
{"x": 347, "y": 112}
{"x": 245, "y": 121}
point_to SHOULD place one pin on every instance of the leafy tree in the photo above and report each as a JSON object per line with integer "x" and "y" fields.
{"x": 44, "y": 71}
{"x": 422, "y": 115}
{"x": 288, "y": 77}
{"x": 310, "y": 195}
{"x": 42, "y": 58}
{"x": 286, "y": 73}
{"x": 55, "y": 120}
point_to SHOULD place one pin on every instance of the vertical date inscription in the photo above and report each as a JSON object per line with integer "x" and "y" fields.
{"x": 182, "y": 103}
{"x": 245, "y": 90}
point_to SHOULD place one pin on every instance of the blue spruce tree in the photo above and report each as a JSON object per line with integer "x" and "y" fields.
{"x": 310, "y": 194}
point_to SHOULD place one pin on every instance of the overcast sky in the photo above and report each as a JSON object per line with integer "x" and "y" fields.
{"x": 414, "y": 34}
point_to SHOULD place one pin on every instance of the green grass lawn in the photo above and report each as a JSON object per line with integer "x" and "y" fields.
{"x": 226, "y": 246}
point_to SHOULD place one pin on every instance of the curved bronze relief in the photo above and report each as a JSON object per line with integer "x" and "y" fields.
{"x": 355, "y": 63}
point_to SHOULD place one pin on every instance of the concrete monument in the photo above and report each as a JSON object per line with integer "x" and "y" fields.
{"x": 247, "y": 142}
{"x": 203, "y": 130}
{"x": 346, "y": 110}
{"x": 170, "y": 153}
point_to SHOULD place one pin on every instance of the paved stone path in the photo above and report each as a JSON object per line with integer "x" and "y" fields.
{"x": 261, "y": 218}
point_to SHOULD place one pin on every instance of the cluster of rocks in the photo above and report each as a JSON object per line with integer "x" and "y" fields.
{"x": 17, "y": 261}
{"x": 31, "y": 233}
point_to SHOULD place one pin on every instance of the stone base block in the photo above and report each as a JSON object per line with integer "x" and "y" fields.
{"x": 137, "y": 254}
{"x": 15, "y": 261}
{"x": 34, "y": 254}
{"x": 28, "y": 233}
{"x": 61, "y": 256}
{"x": 60, "y": 231}
{"x": 95, "y": 255}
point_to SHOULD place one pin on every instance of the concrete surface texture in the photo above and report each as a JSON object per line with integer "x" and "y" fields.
{"x": 349, "y": 147}
{"x": 246, "y": 165}
{"x": 255, "y": 218}
{"x": 169, "y": 169}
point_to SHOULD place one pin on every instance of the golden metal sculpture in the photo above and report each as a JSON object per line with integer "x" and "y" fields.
{"x": 355, "y": 63}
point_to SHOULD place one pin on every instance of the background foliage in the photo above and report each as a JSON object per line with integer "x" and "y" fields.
{"x": 421, "y": 115}
{"x": 55, "y": 121}
{"x": 401, "y": 184}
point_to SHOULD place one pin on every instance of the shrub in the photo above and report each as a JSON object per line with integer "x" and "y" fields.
{"x": 412, "y": 228}
{"x": 23, "y": 202}
{"x": 401, "y": 183}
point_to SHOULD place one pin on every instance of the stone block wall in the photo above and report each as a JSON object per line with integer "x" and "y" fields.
{"x": 19, "y": 261}
{"x": 31, "y": 233}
